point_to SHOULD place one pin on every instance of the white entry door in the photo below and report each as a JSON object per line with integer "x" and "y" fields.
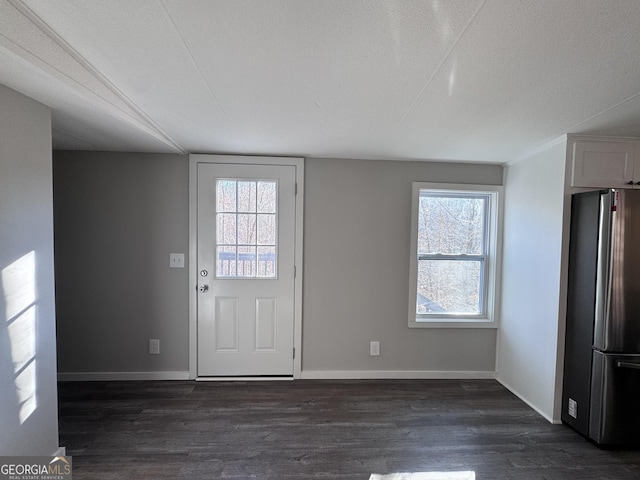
{"x": 245, "y": 261}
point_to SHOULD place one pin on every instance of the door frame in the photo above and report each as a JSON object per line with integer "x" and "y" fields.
{"x": 194, "y": 161}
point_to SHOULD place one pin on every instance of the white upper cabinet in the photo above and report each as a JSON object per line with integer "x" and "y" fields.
{"x": 604, "y": 163}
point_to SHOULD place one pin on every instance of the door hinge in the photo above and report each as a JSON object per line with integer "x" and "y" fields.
{"x": 294, "y": 352}
{"x": 295, "y": 271}
{"x": 296, "y": 188}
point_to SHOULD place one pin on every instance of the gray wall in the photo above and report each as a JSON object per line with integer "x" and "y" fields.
{"x": 356, "y": 280}
{"x": 117, "y": 218}
{"x": 28, "y": 391}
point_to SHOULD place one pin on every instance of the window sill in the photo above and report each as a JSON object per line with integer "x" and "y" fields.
{"x": 462, "y": 323}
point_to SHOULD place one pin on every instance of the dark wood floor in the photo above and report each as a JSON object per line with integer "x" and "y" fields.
{"x": 321, "y": 430}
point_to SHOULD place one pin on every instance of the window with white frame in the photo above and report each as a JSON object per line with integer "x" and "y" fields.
{"x": 454, "y": 255}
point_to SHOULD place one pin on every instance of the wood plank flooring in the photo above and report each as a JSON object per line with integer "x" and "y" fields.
{"x": 320, "y": 430}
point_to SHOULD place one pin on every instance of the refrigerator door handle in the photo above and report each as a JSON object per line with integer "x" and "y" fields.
{"x": 603, "y": 276}
{"x": 635, "y": 366}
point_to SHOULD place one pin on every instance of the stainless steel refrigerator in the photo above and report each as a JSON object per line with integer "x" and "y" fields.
{"x": 601, "y": 385}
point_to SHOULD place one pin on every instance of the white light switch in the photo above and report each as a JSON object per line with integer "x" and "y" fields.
{"x": 176, "y": 260}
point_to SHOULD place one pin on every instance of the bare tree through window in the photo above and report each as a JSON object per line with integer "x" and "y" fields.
{"x": 246, "y": 228}
{"x": 451, "y": 252}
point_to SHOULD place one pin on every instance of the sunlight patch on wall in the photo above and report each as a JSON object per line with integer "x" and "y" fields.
{"x": 466, "y": 475}
{"x": 19, "y": 287}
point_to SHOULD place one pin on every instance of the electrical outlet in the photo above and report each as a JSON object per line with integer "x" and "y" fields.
{"x": 374, "y": 349}
{"x": 176, "y": 260}
{"x": 154, "y": 346}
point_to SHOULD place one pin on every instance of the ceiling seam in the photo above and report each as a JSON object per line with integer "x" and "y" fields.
{"x": 73, "y": 53}
{"x": 435, "y": 72}
{"x": 204, "y": 78}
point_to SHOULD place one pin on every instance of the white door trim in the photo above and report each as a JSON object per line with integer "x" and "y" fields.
{"x": 194, "y": 160}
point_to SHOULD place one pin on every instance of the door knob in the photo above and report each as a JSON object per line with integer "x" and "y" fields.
{"x": 203, "y": 288}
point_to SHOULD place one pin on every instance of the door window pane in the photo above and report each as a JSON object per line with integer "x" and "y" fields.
{"x": 226, "y": 196}
{"x": 246, "y": 261}
{"x": 266, "y": 229}
{"x": 267, "y": 197}
{"x": 246, "y": 229}
{"x": 266, "y": 261}
{"x": 227, "y": 261}
{"x": 226, "y": 231}
{"x": 246, "y": 216}
{"x": 247, "y": 197}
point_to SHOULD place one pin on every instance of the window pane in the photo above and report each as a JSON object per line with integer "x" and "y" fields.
{"x": 451, "y": 224}
{"x": 226, "y": 228}
{"x": 240, "y": 229}
{"x": 246, "y": 261}
{"x": 449, "y": 286}
{"x": 267, "y": 262}
{"x": 226, "y": 264}
{"x": 267, "y": 197}
{"x": 225, "y": 195}
{"x": 246, "y": 229}
{"x": 247, "y": 197}
{"x": 266, "y": 229}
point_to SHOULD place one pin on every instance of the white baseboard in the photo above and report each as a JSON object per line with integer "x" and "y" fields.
{"x": 394, "y": 374}
{"x": 517, "y": 394}
{"x": 103, "y": 376}
{"x": 305, "y": 375}
{"x": 244, "y": 379}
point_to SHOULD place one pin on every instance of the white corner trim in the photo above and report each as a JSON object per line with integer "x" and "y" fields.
{"x": 103, "y": 376}
{"x": 396, "y": 374}
{"x": 534, "y": 407}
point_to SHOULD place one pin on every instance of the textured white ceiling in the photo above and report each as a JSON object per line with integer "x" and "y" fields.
{"x": 467, "y": 80}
